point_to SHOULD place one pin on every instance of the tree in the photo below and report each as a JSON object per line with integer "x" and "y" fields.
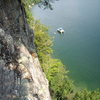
{"x": 87, "y": 95}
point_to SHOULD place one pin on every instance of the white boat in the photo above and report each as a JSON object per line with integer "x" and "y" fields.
{"x": 60, "y": 30}
{"x": 32, "y": 4}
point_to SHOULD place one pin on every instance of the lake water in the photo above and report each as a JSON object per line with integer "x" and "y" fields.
{"x": 79, "y": 47}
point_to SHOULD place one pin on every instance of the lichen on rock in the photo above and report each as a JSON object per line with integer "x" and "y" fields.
{"x": 21, "y": 76}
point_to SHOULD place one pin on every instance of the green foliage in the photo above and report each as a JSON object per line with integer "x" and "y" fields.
{"x": 87, "y": 95}
{"x": 28, "y": 14}
{"x": 42, "y": 41}
{"x": 60, "y": 85}
{"x": 29, "y": 2}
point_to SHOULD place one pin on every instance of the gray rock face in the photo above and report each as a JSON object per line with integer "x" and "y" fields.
{"x": 21, "y": 76}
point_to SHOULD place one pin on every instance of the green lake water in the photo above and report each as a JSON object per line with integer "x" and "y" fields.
{"x": 79, "y": 47}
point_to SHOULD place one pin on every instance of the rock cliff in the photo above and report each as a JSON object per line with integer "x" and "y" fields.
{"x": 21, "y": 76}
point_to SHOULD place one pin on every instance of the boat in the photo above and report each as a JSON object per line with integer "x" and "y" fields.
{"x": 60, "y": 30}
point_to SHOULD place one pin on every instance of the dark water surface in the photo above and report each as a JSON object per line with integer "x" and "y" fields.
{"x": 79, "y": 47}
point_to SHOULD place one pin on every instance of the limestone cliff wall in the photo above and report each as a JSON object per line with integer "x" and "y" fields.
{"x": 21, "y": 76}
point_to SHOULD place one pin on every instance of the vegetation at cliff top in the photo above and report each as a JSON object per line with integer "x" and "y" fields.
{"x": 61, "y": 87}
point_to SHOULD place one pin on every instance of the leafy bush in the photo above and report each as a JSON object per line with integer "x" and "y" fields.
{"x": 87, "y": 95}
